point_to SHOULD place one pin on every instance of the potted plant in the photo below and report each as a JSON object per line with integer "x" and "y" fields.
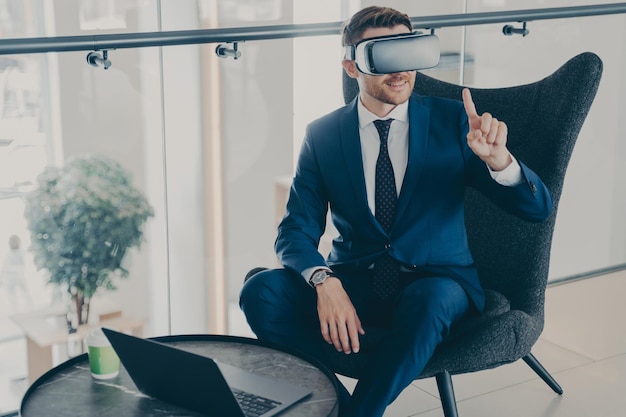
{"x": 83, "y": 218}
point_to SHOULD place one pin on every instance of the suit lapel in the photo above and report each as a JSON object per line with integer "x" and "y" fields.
{"x": 353, "y": 160}
{"x": 419, "y": 120}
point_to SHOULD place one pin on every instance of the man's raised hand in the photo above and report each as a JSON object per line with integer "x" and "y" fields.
{"x": 487, "y": 135}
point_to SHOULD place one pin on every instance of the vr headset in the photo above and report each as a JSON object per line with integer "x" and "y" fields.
{"x": 396, "y": 53}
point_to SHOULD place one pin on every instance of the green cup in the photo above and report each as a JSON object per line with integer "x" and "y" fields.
{"x": 103, "y": 361}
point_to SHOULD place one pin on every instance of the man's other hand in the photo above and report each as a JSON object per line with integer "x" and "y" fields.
{"x": 339, "y": 322}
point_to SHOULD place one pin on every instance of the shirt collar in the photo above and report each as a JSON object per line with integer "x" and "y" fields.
{"x": 400, "y": 112}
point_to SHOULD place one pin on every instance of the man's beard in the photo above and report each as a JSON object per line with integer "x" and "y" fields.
{"x": 380, "y": 93}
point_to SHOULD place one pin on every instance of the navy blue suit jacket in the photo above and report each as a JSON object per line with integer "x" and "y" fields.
{"x": 429, "y": 230}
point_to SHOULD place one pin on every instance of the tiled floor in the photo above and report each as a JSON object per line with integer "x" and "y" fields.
{"x": 583, "y": 346}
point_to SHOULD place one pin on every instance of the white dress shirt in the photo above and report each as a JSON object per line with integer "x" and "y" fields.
{"x": 397, "y": 145}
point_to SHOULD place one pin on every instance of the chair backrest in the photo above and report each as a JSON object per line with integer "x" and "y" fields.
{"x": 543, "y": 119}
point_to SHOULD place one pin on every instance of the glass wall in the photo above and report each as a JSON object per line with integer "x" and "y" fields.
{"x": 590, "y": 234}
{"x": 55, "y": 108}
{"x": 210, "y": 143}
{"x": 591, "y": 231}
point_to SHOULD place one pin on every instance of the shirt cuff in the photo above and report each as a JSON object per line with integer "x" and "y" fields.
{"x": 509, "y": 176}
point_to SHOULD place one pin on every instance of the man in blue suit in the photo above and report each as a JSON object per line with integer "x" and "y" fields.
{"x": 401, "y": 260}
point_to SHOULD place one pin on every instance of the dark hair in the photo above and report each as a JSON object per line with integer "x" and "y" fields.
{"x": 371, "y": 17}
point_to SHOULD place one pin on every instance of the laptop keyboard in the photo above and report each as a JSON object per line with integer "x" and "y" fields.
{"x": 254, "y": 405}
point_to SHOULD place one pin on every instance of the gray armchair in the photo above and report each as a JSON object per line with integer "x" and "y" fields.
{"x": 512, "y": 256}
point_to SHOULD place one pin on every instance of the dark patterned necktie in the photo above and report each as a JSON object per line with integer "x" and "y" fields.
{"x": 386, "y": 269}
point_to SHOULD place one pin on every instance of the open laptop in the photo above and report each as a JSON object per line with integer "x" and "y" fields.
{"x": 198, "y": 383}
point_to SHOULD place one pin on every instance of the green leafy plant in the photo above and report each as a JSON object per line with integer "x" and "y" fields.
{"x": 83, "y": 217}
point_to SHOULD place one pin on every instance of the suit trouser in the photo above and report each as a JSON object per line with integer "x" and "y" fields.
{"x": 282, "y": 308}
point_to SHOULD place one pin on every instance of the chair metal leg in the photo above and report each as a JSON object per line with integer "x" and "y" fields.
{"x": 446, "y": 392}
{"x": 541, "y": 371}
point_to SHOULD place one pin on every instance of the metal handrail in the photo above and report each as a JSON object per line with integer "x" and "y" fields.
{"x": 231, "y": 35}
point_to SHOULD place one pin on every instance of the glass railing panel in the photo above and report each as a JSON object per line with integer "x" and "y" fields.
{"x": 590, "y": 232}
{"x": 55, "y": 108}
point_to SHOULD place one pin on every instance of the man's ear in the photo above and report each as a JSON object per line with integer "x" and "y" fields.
{"x": 350, "y": 68}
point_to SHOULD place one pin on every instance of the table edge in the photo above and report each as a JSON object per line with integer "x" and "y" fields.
{"x": 192, "y": 338}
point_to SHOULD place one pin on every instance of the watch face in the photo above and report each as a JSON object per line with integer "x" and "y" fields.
{"x": 319, "y": 277}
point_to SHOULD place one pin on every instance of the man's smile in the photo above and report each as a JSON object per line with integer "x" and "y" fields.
{"x": 396, "y": 83}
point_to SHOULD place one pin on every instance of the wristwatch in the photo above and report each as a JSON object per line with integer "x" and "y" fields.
{"x": 318, "y": 277}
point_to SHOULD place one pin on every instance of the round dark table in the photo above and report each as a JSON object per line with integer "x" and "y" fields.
{"x": 69, "y": 389}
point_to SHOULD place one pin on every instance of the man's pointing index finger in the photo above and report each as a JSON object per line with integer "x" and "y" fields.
{"x": 470, "y": 107}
